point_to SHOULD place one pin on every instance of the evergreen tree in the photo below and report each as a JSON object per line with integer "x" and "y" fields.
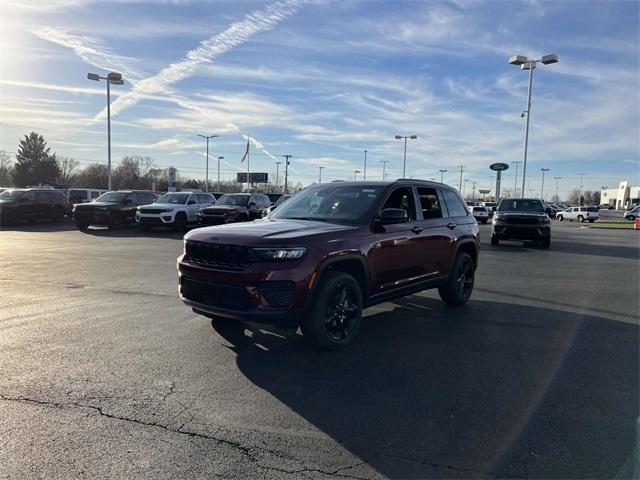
{"x": 35, "y": 164}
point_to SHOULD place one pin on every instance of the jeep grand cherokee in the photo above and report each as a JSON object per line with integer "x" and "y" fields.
{"x": 329, "y": 252}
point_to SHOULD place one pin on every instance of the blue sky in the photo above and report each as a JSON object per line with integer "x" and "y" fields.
{"x": 324, "y": 80}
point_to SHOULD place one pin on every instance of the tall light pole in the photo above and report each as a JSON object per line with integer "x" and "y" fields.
{"x": 473, "y": 193}
{"x": 320, "y": 174}
{"x": 364, "y": 175}
{"x": 219, "y": 158}
{"x": 404, "y": 161}
{"x": 278, "y": 176}
{"x": 556, "y": 179}
{"x": 384, "y": 169}
{"x": 543, "y": 170}
{"x": 529, "y": 64}
{"x": 461, "y": 167}
{"x": 112, "y": 78}
{"x": 582, "y": 174}
{"x": 355, "y": 175}
{"x": 442, "y": 172}
{"x": 286, "y": 172}
{"x": 515, "y": 183}
{"x": 206, "y": 175}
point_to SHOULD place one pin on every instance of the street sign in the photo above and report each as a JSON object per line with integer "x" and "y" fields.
{"x": 484, "y": 191}
{"x": 499, "y": 167}
{"x": 256, "y": 177}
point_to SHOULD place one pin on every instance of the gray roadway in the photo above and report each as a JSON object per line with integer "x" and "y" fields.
{"x": 104, "y": 373}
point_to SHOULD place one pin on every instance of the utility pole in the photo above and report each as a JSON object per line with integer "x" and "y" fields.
{"x": 442, "y": 172}
{"x": 515, "y": 183}
{"x": 581, "y": 186}
{"x": 384, "y": 168}
{"x": 473, "y": 194}
{"x": 543, "y": 170}
{"x": 206, "y": 175}
{"x": 286, "y": 172}
{"x": 460, "y": 184}
{"x": 365, "y": 165}
{"x": 556, "y": 179}
{"x": 219, "y": 158}
{"x": 320, "y": 173}
{"x": 277, "y": 176}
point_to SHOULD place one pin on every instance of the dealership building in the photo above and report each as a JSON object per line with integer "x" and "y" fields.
{"x": 620, "y": 197}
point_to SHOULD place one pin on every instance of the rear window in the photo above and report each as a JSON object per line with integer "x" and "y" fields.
{"x": 592, "y": 209}
{"x": 454, "y": 204}
{"x": 479, "y": 209}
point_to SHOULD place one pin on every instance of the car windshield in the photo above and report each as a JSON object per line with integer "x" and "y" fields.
{"x": 479, "y": 209}
{"x": 332, "y": 203}
{"x": 520, "y": 205}
{"x": 281, "y": 200}
{"x": 173, "y": 198}
{"x": 112, "y": 197}
{"x": 11, "y": 194}
{"x": 237, "y": 200}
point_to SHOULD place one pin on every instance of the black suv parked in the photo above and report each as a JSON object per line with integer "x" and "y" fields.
{"x": 521, "y": 219}
{"x": 330, "y": 251}
{"x": 33, "y": 204}
{"x": 235, "y": 207}
{"x": 113, "y": 209}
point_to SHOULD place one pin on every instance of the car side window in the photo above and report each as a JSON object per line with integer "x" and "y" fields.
{"x": 95, "y": 195}
{"x": 208, "y": 199}
{"x": 132, "y": 199}
{"x": 28, "y": 197}
{"x": 43, "y": 197}
{"x": 454, "y": 204}
{"x": 429, "y": 203}
{"x": 402, "y": 198}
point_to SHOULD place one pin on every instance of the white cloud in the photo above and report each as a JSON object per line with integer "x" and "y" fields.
{"x": 91, "y": 50}
{"x": 237, "y": 33}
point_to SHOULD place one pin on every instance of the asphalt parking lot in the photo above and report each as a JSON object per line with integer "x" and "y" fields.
{"x": 104, "y": 373}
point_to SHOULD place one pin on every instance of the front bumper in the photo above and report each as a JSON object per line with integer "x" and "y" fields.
{"x": 216, "y": 219}
{"x": 160, "y": 219}
{"x": 521, "y": 232}
{"x": 95, "y": 217}
{"x": 274, "y": 296}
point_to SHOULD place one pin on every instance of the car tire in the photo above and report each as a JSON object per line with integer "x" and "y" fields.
{"x": 484, "y": 222}
{"x": 336, "y": 312}
{"x": 580, "y": 218}
{"x": 591, "y": 220}
{"x": 82, "y": 226}
{"x": 459, "y": 287}
{"x": 180, "y": 222}
{"x": 115, "y": 221}
{"x": 546, "y": 243}
{"x": 494, "y": 240}
{"x": 8, "y": 219}
{"x": 631, "y": 217}
{"x": 560, "y": 218}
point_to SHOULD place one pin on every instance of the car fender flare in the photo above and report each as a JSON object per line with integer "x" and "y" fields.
{"x": 461, "y": 243}
{"x": 337, "y": 257}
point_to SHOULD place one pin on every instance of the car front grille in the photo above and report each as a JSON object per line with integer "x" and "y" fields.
{"x": 213, "y": 211}
{"x": 216, "y": 294}
{"x": 153, "y": 211}
{"x": 521, "y": 220}
{"x": 223, "y": 256}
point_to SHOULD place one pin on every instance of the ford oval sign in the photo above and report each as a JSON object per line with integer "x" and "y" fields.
{"x": 499, "y": 167}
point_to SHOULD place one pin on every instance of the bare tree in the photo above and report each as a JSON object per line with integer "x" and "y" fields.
{"x": 574, "y": 196}
{"x": 555, "y": 199}
{"x": 6, "y": 169}
{"x": 67, "y": 168}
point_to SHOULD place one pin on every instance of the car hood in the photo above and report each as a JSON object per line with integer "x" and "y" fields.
{"x": 92, "y": 205}
{"x": 521, "y": 214}
{"x": 162, "y": 205}
{"x": 225, "y": 208}
{"x": 268, "y": 231}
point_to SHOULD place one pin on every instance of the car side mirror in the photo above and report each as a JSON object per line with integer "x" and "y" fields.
{"x": 191, "y": 202}
{"x": 389, "y": 216}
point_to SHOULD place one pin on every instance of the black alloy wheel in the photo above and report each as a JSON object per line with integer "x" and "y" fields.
{"x": 115, "y": 220}
{"x": 8, "y": 218}
{"x": 461, "y": 279}
{"x": 336, "y": 312}
{"x": 180, "y": 222}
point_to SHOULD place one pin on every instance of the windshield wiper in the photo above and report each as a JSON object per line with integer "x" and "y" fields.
{"x": 313, "y": 219}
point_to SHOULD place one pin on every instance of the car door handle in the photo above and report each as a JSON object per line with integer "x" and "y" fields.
{"x": 451, "y": 225}
{"x": 417, "y": 229}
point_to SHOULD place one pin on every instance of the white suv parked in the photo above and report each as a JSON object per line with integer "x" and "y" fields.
{"x": 173, "y": 209}
{"x": 581, "y": 214}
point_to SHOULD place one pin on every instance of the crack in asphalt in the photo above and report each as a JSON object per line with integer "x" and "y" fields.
{"x": 246, "y": 451}
{"x": 441, "y": 465}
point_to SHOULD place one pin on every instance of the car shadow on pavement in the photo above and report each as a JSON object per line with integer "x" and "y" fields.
{"x": 134, "y": 231}
{"x": 489, "y": 389}
{"x": 39, "y": 227}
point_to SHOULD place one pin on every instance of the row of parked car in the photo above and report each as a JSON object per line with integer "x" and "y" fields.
{"x": 123, "y": 207}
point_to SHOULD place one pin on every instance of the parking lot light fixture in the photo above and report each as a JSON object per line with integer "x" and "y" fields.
{"x": 206, "y": 175}
{"x": 543, "y": 170}
{"x": 112, "y": 78}
{"x": 219, "y": 158}
{"x": 556, "y": 179}
{"x": 320, "y": 174}
{"x": 529, "y": 64}
{"x": 355, "y": 175}
{"x": 442, "y": 172}
{"x": 384, "y": 169}
{"x": 404, "y": 161}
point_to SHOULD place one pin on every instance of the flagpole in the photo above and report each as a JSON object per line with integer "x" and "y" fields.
{"x": 248, "y": 163}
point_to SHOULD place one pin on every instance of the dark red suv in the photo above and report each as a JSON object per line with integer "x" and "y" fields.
{"x": 329, "y": 252}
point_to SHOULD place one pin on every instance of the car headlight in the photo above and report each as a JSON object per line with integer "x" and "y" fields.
{"x": 271, "y": 254}
{"x": 544, "y": 219}
{"x": 497, "y": 219}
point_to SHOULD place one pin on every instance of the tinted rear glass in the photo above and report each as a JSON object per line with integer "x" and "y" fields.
{"x": 520, "y": 205}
